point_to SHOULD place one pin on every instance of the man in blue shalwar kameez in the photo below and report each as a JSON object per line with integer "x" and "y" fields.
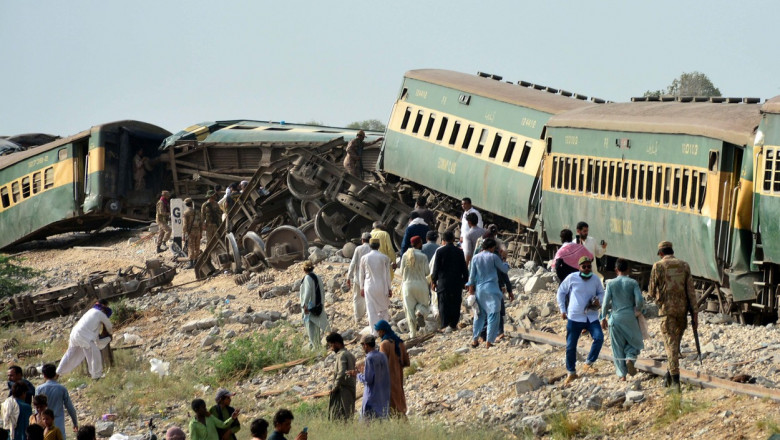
{"x": 376, "y": 379}
{"x": 483, "y": 281}
{"x": 624, "y": 299}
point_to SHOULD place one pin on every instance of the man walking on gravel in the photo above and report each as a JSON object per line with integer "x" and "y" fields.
{"x": 579, "y": 299}
{"x": 414, "y": 287}
{"x": 57, "y": 399}
{"x": 670, "y": 283}
{"x": 375, "y": 284}
{"x": 312, "y": 296}
{"x": 449, "y": 275}
{"x": 211, "y": 214}
{"x": 342, "y": 385}
{"x": 163, "y": 218}
{"x": 353, "y": 280}
{"x": 193, "y": 228}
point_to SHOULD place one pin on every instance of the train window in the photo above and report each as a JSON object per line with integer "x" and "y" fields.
{"x": 776, "y": 185}
{"x": 634, "y": 176}
{"x": 618, "y": 178}
{"x": 482, "y": 140}
{"x": 404, "y": 94}
{"x": 676, "y": 188}
{"x": 768, "y": 161}
{"x": 442, "y": 129}
{"x": 713, "y": 164}
{"x": 640, "y": 184}
{"x": 510, "y": 149}
{"x": 596, "y": 174}
{"x": 407, "y": 115}
{"x": 15, "y": 191}
{"x": 667, "y": 184}
{"x": 583, "y": 176}
{"x": 566, "y": 172}
{"x": 494, "y": 147}
{"x": 48, "y": 178}
{"x": 62, "y": 154}
{"x": 524, "y": 154}
{"x": 25, "y": 187}
{"x": 624, "y": 188}
{"x": 686, "y": 177}
{"x": 417, "y": 122}
{"x": 36, "y": 182}
{"x": 554, "y": 172}
{"x": 604, "y": 177}
{"x": 702, "y": 189}
{"x": 467, "y": 138}
{"x": 560, "y": 173}
{"x": 611, "y": 179}
{"x": 4, "y": 198}
{"x": 659, "y": 180}
{"x": 574, "y": 174}
{"x": 429, "y": 125}
{"x": 694, "y": 186}
{"x": 589, "y": 182}
{"x": 455, "y": 130}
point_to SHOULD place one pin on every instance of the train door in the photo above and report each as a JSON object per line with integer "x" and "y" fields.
{"x": 79, "y": 169}
{"x": 731, "y": 170}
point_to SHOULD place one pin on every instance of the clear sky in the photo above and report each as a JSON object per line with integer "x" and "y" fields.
{"x": 68, "y": 65}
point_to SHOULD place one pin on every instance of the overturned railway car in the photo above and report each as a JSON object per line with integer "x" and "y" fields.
{"x": 79, "y": 183}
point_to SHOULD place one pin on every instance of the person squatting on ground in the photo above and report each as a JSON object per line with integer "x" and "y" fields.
{"x": 163, "y": 217}
{"x": 312, "y": 306}
{"x": 670, "y": 283}
{"x": 622, "y": 302}
{"x": 283, "y": 425}
{"x": 414, "y": 287}
{"x": 449, "y": 275}
{"x": 57, "y": 399}
{"x": 222, "y": 411}
{"x": 375, "y": 377}
{"x": 341, "y": 405}
{"x": 483, "y": 282}
{"x": 353, "y": 277}
{"x": 204, "y": 425}
{"x": 416, "y": 228}
{"x": 579, "y": 298}
{"x": 374, "y": 276}
{"x": 211, "y": 214}
{"x": 192, "y": 227}
{"x": 567, "y": 258}
{"x": 86, "y": 343}
{"x": 397, "y": 359}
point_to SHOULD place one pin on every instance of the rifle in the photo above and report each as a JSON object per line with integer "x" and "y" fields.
{"x": 693, "y": 326}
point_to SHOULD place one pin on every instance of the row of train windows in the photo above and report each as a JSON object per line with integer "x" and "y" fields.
{"x": 26, "y": 186}
{"x": 466, "y": 141}
{"x": 772, "y": 171}
{"x": 681, "y": 187}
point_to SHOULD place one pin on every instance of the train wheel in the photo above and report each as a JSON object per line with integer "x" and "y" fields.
{"x": 254, "y": 252}
{"x": 357, "y": 226}
{"x": 235, "y": 253}
{"x": 284, "y": 246}
{"x": 310, "y": 208}
{"x": 309, "y": 231}
{"x": 331, "y": 223}
{"x": 302, "y": 189}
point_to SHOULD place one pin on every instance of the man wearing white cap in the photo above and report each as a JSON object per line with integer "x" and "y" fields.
{"x": 353, "y": 282}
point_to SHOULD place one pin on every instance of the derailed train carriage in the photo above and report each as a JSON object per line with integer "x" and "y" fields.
{"x": 79, "y": 183}
{"x": 641, "y": 172}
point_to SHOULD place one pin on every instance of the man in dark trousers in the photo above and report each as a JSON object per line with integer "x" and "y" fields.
{"x": 448, "y": 277}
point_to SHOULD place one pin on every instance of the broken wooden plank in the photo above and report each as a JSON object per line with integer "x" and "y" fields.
{"x": 288, "y": 364}
{"x": 93, "y": 248}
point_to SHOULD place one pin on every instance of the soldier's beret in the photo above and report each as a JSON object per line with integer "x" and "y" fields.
{"x": 664, "y": 244}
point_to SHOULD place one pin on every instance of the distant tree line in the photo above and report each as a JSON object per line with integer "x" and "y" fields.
{"x": 688, "y": 84}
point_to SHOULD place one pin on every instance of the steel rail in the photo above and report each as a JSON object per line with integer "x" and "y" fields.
{"x": 651, "y": 366}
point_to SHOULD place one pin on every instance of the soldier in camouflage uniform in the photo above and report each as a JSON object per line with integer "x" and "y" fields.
{"x": 211, "y": 214}
{"x": 162, "y": 218}
{"x": 670, "y": 282}
{"x": 192, "y": 226}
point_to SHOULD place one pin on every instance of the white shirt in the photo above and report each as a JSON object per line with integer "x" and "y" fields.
{"x": 464, "y": 225}
{"x": 593, "y": 247}
{"x": 87, "y": 330}
{"x": 354, "y": 265}
{"x": 374, "y": 276}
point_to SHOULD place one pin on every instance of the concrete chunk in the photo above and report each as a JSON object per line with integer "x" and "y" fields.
{"x": 527, "y": 383}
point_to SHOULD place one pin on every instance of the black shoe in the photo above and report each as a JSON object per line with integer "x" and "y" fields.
{"x": 667, "y": 380}
{"x": 676, "y": 383}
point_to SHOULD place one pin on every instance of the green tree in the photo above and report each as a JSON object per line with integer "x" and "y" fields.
{"x": 13, "y": 276}
{"x": 314, "y": 122}
{"x": 688, "y": 84}
{"x": 368, "y": 124}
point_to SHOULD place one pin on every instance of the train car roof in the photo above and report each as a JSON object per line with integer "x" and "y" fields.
{"x": 499, "y": 90}
{"x": 11, "y": 159}
{"x": 734, "y": 123}
{"x": 771, "y": 105}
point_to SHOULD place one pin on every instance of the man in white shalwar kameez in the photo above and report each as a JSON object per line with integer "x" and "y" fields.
{"x": 86, "y": 343}
{"x": 414, "y": 287}
{"x": 315, "y": 324}
{"x": 375, "y": 284}
{"x": 597, "y": 249}
{"x": 353, "y": 281}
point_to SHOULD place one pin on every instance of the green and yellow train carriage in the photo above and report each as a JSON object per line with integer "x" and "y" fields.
{"x": 78, "y": 183}
{"x": 471, "y": 136}
{"x": 766, "y": 217}
{"x": 644, "y": 172}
